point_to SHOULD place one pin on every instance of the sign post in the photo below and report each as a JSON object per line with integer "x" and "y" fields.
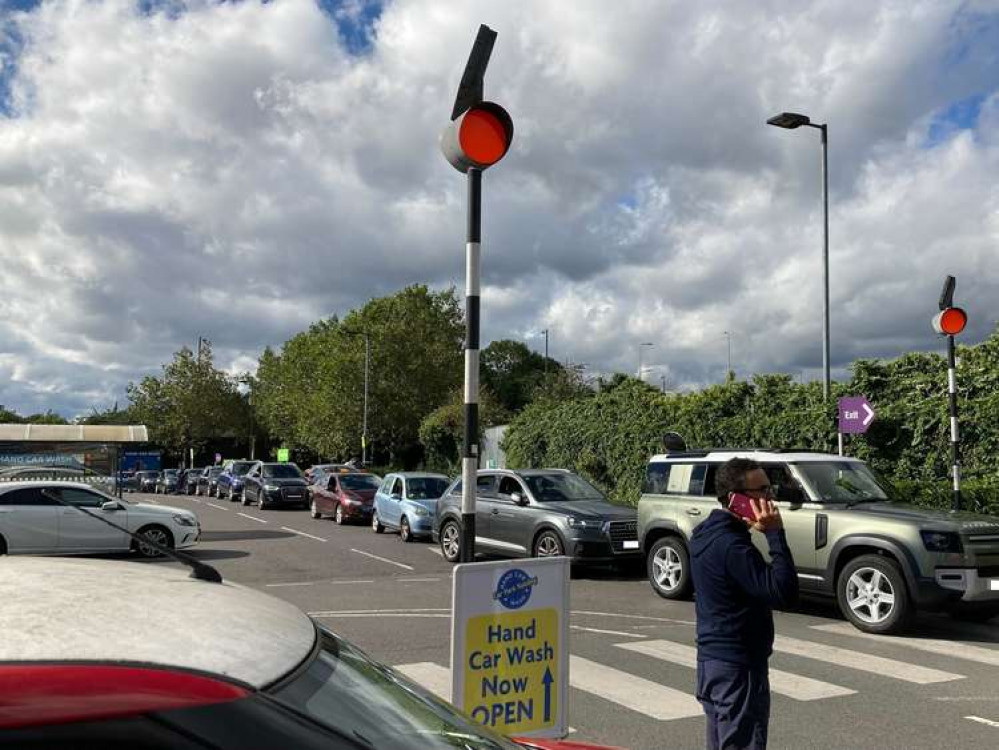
{"x": 478, "y": 136}
{"x": 949, "y": 322}
{"x": 510, "y": 645}
{"x": 855, "y": 417}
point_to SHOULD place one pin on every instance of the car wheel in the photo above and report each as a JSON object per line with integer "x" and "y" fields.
{"x": 157, "y": 534}
{"x": 243, "y": 498}
{"x": 3, "y": 546}
{"x": 376, "y": 525}
{"x": 313, "y": 510}
{"x": 668, "y": 568}
{"x": 339, "y": 517}
{"x": 872, "y": 595}
{"x": 548, "y": 544}
{"x": 405, "y": 533}
{"x": 451, "y": 541}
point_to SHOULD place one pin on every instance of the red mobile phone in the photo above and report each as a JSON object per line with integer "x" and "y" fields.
{"x": 742, "y": 506}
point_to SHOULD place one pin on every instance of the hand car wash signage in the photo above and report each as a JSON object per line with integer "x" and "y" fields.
{"x": 510, "y": 645}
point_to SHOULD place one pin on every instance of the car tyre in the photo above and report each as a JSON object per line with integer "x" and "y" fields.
{"x": 242, "y": 497}
{"x": 871, "y": 594}
{"x": 548, "y": 544}
{"x": 3, "y": 546}
{"x": 338, "y": 516}
{"x": 668, "y": 568}
{"x": 313, "y": 510}
{"x": 376, "y": 525}
{"x": 157, "y": 533}
{"x": 450, "y": 537}
{"x": 405, "y": 532}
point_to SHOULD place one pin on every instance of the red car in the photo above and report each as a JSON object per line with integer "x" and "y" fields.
{"x": 347, "y": 496}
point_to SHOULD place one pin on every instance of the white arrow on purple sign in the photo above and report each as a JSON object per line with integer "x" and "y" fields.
{"x": 855, "y": 415}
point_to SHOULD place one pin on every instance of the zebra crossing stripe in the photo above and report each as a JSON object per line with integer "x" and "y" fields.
{"x": 954, "y": 649}
{"x": 635, "y": 693}
{"x": 433, "y": 677}
{"x": 794, "y": 686}
{"x": 841, "y": 657}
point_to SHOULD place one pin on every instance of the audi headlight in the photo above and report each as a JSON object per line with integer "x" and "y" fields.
{"x": 185, "y": 520}
{"x": 582, "y": 523}
{"x": 941, "y": 541}
{"x": 271, "y": 487}
{"x": 419, "y": 510}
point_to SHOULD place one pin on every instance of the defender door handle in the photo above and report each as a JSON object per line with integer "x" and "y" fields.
{"x": 693, "y": 512}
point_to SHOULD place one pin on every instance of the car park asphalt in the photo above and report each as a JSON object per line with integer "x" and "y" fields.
{"x": 631, "y": 673}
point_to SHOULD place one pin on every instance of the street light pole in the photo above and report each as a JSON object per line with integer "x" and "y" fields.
{"x": 790, "y": 121}
{"x": 367, "y": 367}
{"x": 728, "y": 336}
{"x": 640, "y": 368}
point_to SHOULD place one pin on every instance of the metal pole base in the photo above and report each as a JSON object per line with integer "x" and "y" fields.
{"x": 467, "y": 538}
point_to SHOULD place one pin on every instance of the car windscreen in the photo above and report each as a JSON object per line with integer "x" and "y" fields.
{"x": 425, "y": 488}
{"x": 170, "y": 473}
{"x": 359, "y": 482}
{"x": 840, "y": 482}
{"x": 215, "y": 471}
{"x": 342, "y": 688}
{"x": 282, "y": 471}
{"x": 241, "y": 467}
{"x": 555, "y": 488}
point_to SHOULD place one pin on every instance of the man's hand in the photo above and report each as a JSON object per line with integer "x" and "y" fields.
{"x": 767, "y": 515}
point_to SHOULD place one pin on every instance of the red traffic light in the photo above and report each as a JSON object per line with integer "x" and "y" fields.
{"x": 950, "y": 321}
{"x": 478, "y": 138}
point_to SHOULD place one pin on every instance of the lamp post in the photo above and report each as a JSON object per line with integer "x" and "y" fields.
{"x": 790, "y": 121}
{"x": 367, "y": 366}
{"x": 728, "y": 336}
{"x": 641, "y": 369}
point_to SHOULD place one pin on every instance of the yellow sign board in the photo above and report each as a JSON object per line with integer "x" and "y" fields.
{"x": 510, "y": 645}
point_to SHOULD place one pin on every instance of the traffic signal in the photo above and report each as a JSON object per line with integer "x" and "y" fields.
{"x": 950, "y": 321}
{"x": 478, "y": 138}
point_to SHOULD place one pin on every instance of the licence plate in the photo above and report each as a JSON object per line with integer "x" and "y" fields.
{"x": 630, "y": 544}
{"x": 994, "y": 584}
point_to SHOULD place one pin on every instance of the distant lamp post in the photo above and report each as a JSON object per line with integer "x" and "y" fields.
{"x": 641, "y": 348}
{"x": 728, "y": 373}
{"x": 545, "y": 332}
{"x": 791, "y": 121}
{"x": 367, "y": 366}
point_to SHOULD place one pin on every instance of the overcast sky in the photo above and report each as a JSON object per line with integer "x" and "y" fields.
{"x": 237, "y": 170}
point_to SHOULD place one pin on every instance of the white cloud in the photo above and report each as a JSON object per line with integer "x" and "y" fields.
{"x": 231, "y": 170}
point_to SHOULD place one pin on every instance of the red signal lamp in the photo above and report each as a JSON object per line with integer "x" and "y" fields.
{"x": 950, "y": 321}
{"x": 478, "y": 138}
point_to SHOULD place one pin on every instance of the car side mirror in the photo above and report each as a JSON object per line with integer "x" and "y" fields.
{"x": 519, "y": 499}
{"x": 396, "y": 496}
{"x": 111, "y": 505}
{"x": 792, "y": 494}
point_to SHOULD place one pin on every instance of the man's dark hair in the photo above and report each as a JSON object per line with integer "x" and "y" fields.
{"x": 731, "y": 477}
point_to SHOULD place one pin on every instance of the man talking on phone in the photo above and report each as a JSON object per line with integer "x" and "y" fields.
{"x": 736, "y": 591}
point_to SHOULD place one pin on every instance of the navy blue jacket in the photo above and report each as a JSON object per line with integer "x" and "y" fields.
{"x": 736, "y": 590}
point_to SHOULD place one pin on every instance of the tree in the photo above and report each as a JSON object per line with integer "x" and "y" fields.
{"x": 442, "y": 432}
{"x": 190, "y": 403}
{"x": 513, "y": 373}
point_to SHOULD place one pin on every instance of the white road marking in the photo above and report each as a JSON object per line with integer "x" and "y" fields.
{"x": 417, "y": 580}
{"x": 433, "y": 677}
{"x": 436, "y": 551}
{"x": 955, "y": 649}
{"x": 792, "y": 685}
{"x": 607, "y": 632}
{"x": 193, "y": 500}
{"x": 252, "y": 518}
{"x": 980, "y": 720}
{"x": 632, "y": 617}
{"x": 299, "y": 583}
{"x": 898, "y": 670}
{"x": 150, "y": 500}
{"x": 634, "y": 693}
{"x": 220, "y": 507}
{"x": 302, "y": 533}
{"x": 383, "y": 559}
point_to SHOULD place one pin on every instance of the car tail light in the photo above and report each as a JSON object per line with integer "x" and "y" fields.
{"x": 41, "y": 694}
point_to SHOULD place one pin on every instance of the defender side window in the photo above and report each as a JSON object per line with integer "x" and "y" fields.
{"x": 656, "y": 479}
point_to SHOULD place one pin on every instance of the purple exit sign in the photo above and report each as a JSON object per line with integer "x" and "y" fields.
{"x": 855, "y": 415}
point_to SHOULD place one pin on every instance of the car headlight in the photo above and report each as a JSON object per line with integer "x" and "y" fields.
{"x": 582, "y": 523}
{"x": 419, "y": 510}
{"x": 941, "y": 541}
{"x": 352, "y": 501}
{"x": 271, "y": 487}
{"x": 185, "y": 520}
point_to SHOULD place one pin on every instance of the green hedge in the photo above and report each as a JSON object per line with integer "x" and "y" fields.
{"x": 608, "y": 436}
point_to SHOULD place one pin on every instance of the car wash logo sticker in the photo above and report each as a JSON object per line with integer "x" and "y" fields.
{"x": 514, "y": 588}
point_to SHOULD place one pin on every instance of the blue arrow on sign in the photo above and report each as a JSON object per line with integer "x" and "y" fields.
{"x": 548, "y": 680}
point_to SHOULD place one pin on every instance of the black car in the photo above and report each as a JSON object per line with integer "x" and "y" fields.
{"x": 208, "y": 482}
{"x": 539, "y": 513}
{"x": 166, "y": 483}
{"x": 269, "y": 484}
{"x": 191, "y": 477}
{"x": 145, "y": 481}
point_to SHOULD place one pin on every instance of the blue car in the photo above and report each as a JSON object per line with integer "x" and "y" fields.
{"x": 230, "y": 481}
{"x": 407, "y": 501}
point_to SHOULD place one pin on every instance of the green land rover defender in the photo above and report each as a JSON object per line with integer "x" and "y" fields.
{"x": 879, "y": 558}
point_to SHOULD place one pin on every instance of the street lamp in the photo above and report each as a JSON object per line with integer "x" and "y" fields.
{"x": 640, "y": 349}
{"x": 545, "y": 332}
{"x": 367, "y": 364}
{"x": 790, "y": 121}
{"x": 728, "y": 336}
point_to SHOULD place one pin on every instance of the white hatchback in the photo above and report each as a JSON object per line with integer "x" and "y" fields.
{"x": 33, "y": 522}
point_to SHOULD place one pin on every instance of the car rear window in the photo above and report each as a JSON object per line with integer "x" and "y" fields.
{"x": 423, "y": 488}
{"x": 282, "y": 471}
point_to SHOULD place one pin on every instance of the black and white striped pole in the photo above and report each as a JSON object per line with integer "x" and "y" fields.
{"x": 478, "y": 136}
{"x": 949, "y": 322}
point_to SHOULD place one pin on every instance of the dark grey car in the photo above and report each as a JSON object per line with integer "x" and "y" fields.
{"x": 539, "y": 513}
